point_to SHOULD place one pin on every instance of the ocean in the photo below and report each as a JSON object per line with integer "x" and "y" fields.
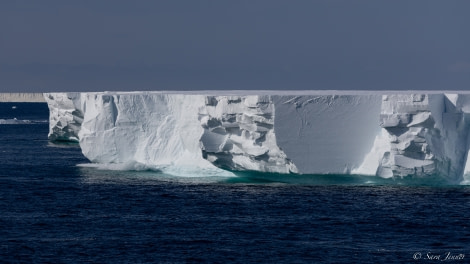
{"x": 56, "y": 209}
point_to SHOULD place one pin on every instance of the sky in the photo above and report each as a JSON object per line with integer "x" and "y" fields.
{"x": 116, "y": 45}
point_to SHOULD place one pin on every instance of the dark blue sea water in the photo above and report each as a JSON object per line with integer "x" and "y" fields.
{"x": 53, "y": 211}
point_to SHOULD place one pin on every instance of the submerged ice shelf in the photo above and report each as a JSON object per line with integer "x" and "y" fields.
{"x": 389, "y": 134}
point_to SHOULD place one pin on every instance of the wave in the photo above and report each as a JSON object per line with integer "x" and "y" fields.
{"x": 343, "y": 179}
{"x": 15, "y": 121}
{"x": 179, "y": 171}
{"x": 128, "y": 166}
{"x": 128, "y": 169}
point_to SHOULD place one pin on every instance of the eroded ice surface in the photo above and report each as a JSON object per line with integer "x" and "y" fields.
{"x": 389, "y": 134}
{"x": 65, "y": 115}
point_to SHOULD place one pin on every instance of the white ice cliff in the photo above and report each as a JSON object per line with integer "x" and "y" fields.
{"x": 65, "y": 116}
{"x": 389, "y": 134}
{"x": 239, "y": 134}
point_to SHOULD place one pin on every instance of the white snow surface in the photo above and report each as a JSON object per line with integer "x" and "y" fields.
{"x": 384, "y": 133}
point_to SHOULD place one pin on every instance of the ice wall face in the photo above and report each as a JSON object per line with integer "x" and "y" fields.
{"x": 327, "y": 133}
{"x": 239, "y": 134}
{"x": 65, "y": 116}
{"x": 428, "y": 135}
{"x": 374, "y": 133}
{"x": 411, "y": 126}
{"x": 157, "y": 130}
{"x": 175, "y": 130}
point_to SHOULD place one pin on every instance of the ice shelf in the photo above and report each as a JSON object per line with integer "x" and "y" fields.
{"x": 22, "y": 97}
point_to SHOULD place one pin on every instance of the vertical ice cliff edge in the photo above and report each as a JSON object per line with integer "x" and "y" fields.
{"x": 389, "y": 134}
{"x": 65, "y": 116}
{"x": 428, "y": 135}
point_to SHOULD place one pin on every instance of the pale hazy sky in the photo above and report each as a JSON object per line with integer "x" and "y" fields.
{"x": 253, "y": 44}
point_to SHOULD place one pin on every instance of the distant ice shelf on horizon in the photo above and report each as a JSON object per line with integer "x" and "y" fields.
{"x": 384, "y": 133}
{"x": 21, "y": 98}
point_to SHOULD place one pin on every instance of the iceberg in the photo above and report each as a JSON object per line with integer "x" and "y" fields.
{"x": 384, "y": 133}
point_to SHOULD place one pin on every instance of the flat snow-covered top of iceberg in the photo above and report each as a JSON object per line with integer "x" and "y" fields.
{"x": 285, "y": 92}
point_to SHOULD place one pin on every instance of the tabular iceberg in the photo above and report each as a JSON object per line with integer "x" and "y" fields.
{"x": 389, "y": 134}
